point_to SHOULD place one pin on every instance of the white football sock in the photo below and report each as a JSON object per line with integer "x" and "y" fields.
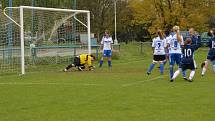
{"x": 203, "y": 70}
{"x": 192, "y": 73}
{"x": 176, "y": 74}
{"x": 195, "y": 65}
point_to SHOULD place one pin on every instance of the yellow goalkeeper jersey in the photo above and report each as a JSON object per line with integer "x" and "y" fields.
{"x": 85, "y": 59}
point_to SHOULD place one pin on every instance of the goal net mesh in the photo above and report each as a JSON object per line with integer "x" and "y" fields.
{"x": 50, "y": 37}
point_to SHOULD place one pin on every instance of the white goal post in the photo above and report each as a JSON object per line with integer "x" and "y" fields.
{"x": 21, "y": 23}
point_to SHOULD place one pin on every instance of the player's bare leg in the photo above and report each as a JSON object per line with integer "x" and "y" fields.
{"x": 204, "y": 67}
{"x": 175, "y": 75}
{"x": 192, "y": 73}
{"x": 68, "y": 67}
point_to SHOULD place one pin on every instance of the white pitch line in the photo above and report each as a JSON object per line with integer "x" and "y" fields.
{"x": 32, "y": 83}
{"x": 138, "y": 82}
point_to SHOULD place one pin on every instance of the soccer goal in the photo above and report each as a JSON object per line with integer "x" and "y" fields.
{"x": 44, "y": 35}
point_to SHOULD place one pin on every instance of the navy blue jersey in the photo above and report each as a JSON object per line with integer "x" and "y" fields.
{"x": 187, "y": 54}
{"x": 196, "y": 40}
{"x": 211, "y": 46}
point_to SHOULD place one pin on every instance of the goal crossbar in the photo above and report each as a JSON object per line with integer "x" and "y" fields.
{"x": 47, "y": 9}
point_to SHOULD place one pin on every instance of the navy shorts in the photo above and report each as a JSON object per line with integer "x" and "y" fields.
{"x": 185, "y": 66}
{"x": 107, "y": 53}
{"x": 159, "y": 57}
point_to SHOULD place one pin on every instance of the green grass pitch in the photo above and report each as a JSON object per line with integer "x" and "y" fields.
{"x": 124, "y": 93}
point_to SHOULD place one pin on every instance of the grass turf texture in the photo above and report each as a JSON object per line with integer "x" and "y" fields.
{"x": 124, "y": 93}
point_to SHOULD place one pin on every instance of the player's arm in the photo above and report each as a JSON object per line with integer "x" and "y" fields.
{"x": 210, "y": 43}
{"x": 179, "y": 37}
{"x": 176, "y": 29}
{"x": 198, "y": 41}
{"x": 111, "y": 44}
{"x": 195, "y": 45}
{"x": 168, "y": 42}
{"x": 153, "y": 45}
{"x": 153, "y": 49}
{"x": 166, "y": 47}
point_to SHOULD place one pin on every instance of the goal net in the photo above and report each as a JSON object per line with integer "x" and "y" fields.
{"x": 9, "y": 45}
{"x": 43, "y": 36}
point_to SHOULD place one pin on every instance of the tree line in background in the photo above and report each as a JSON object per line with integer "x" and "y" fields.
{"x": 137, "y": 19}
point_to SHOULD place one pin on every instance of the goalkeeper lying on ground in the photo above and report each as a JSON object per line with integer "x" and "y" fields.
{"x": 82, "y": 62}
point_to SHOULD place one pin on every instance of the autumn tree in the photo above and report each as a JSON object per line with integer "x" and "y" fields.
{"x": 166, "y": 13}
